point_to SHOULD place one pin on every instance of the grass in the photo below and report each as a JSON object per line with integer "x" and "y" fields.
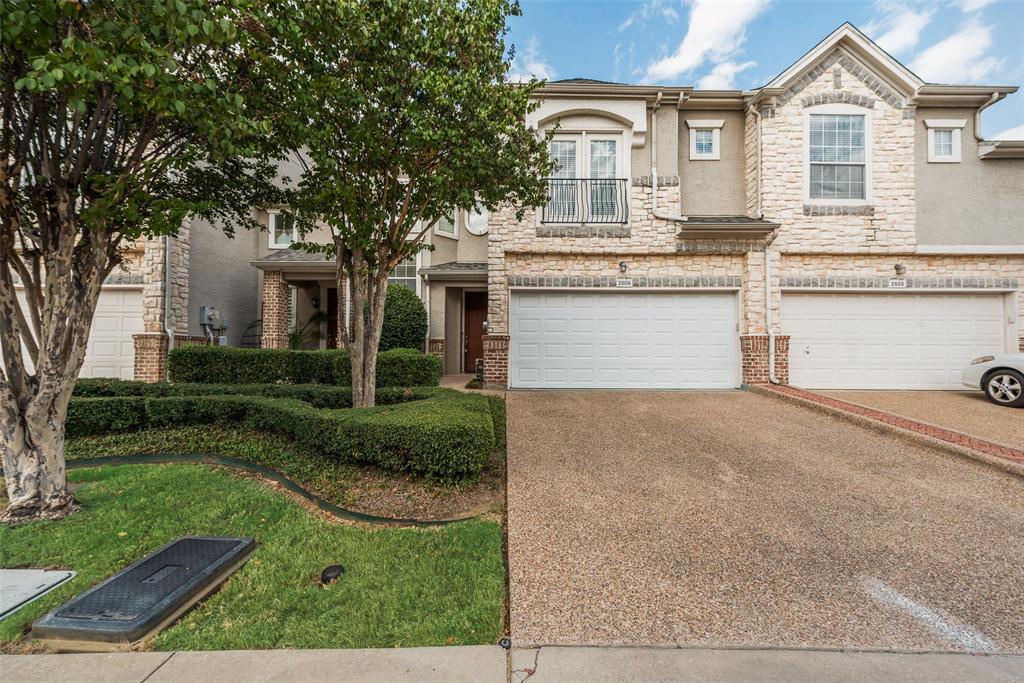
{"x": 344, "y": 484}
{"x": 402, "y": 587}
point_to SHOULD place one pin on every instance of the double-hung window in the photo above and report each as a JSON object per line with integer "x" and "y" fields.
{"x": 447, "y": 226}
{"x": 705, "y": 139}
{"x": 405, "y": 274}
{"x": 281, "y": 226}
{"x": 838, "y": 157}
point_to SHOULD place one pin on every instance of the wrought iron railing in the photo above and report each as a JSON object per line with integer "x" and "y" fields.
{"x": 586, "y": 200}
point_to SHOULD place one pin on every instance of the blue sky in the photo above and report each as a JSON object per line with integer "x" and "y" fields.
{"x": 744, "y": 43}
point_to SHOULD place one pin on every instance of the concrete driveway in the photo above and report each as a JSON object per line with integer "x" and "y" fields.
{"x": 968, "y": 412}
{"x": 696, "y": 518}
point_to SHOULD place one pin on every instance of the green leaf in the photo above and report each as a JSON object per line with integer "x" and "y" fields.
{"x": 179, "y": 106}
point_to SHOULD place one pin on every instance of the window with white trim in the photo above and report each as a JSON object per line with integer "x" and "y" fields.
{"x": 446, "y": 226}
{"x": 838, "y": 157}
{"x": 944, "y": 140}
{"x": 587, "y": 183}
{"x": 405, "y": 273}
{"x": 282, "y": 229}
{"x": 705, "y": 139}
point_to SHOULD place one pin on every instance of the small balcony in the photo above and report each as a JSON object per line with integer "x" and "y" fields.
{"x": 586, "y": 201}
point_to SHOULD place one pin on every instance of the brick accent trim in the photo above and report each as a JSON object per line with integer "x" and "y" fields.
{"x": 838, "y": 210}
{"x": 856, "y": 282}
{"x": 703, "y": 281}
{"x": 435, "y": 347}
{"x": 150, "y": 362}
{"x": 838, "y": 98}
{"x": 602, "y": 231}
{"x": 496, "y": 359}
{"x": 754, "y": 354}
{"x": 275, "y": 311}
{"x": 948, "y": 435}
{"x": 883, "y": 91}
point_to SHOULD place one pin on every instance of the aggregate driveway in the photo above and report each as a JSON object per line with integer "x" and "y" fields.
{"x": 733, "y": 519}
{"x": 968, "y": 412}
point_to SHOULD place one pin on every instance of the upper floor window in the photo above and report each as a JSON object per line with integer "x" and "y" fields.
{"x": 838, "y": 157}
{"x": 944, "y": 140}
{"x": 405, "y": 273}
{"x": 446, "y": 226}
{"x": 585, "y": 186}
{"x": 282, "y": 229}
{"x": 705, "y": 140}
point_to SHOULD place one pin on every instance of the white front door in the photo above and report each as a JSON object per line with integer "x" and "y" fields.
{"x": 888, "y": 341}
{"x": 620, "y": 340}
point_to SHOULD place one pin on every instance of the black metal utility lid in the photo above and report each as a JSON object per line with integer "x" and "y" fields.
{"x": 149, "y": 594}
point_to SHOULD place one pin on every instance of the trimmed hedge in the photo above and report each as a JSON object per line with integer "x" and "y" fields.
{"x": 405, "y": 320}
{"x": 227, "y": 365}
{"x": 317, "y": 395}
{"x": 448, "y": 435}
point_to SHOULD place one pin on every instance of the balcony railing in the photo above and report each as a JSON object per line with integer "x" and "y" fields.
{"x": 586, "y": 201}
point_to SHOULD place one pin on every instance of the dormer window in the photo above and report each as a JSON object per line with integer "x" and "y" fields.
{"x": 944, "y": 140}
{"x": 705, "y": 139}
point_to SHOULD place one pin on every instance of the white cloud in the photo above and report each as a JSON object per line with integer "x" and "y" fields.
{"x": 974, "y": 5}
{"x": 530, "y": 64}
{"x": 960, "y": 58}
{"x": 723, "y": 76}
{"x": 1015, "y": 133}
{"x": 648, "y": 10}
{"x": 898, "y": 29}
{"x": 716, "y": 33}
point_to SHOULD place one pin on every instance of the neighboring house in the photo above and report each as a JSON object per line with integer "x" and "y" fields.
{"x": 892, "y": 233}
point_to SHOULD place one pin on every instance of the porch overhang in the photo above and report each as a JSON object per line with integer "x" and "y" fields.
{"x": 731, "y": 228}
{"x": 456, "y": 271}
{"x": 292, "y": 264}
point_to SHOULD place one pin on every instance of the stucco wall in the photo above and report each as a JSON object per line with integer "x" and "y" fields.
{"x": 712, "y": 187}
{"x": 974, "y": 201}
{"x": 220, "y": 275}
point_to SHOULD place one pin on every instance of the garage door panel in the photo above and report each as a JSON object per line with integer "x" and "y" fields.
{"x": 625, "y": 339}
{"x": 888, "y": 340}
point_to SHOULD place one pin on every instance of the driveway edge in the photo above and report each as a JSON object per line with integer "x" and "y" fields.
{"x": 835, "y": 408}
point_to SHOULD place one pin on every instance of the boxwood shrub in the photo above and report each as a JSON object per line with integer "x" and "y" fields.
{"x": 317, "y": 395}
{"x": 446, "y": 435}
{"x": 227, "y": 365}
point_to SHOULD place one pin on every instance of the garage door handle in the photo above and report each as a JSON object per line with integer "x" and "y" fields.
{"x": 807, "y": 350}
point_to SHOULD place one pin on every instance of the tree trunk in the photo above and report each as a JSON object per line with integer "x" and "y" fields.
{"x": 368, "y": 292}
{"x": 32, "y": 441}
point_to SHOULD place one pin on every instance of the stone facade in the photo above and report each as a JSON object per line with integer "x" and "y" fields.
{"x": 275, "y": 311}
{"x": 147, "y": 263}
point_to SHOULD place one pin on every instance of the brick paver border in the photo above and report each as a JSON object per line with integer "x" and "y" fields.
{"x": 948, "y": 435}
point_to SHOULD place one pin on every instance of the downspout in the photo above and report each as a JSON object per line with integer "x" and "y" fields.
{"x": 996, "y": 96}
{"x": 654, "y": 166}
{"x": 168, "y": 329}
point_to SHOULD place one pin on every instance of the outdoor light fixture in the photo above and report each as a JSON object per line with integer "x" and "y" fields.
{"x": 900, "y": 269}
{"x": 622, "y": 267}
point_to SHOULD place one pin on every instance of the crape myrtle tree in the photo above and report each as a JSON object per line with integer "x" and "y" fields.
{"x": 119, "y": 119}
{"x": 403, "y": 114}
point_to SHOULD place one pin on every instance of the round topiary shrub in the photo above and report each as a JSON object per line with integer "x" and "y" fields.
{"x": 405, "y": 320}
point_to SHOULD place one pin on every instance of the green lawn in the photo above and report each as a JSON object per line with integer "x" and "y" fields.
{"x": 403, "y": 587}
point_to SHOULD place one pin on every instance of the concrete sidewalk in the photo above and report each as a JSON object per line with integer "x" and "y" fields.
{"x": 489, "y": 663}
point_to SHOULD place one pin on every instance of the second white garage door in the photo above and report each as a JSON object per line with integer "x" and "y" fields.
{"x": 635, "y": 340}
{"x": 888, "y": 341}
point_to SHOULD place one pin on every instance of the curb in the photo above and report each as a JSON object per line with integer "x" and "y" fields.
{"x": 1006, "y": 465}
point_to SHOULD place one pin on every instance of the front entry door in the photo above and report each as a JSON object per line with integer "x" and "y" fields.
{"x": 474, "y": 316}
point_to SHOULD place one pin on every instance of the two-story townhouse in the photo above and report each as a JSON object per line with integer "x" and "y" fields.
{"x": 843, "y": 226}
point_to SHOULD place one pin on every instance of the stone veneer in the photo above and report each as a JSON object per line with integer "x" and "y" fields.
{"x": 150, "y": 347}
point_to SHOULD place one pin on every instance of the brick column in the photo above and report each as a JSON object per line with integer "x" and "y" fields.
{"x": 435, "y": 347}
{"x": 275, "y": 311}
{"x": 496, "y": 359}
{"x": 754, "y": 350}
{"x": 151, "y": 354}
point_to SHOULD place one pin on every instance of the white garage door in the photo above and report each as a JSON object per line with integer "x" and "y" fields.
{"x": 617, "y": 340}
{"x": 888, "y": 341}
{"x": 111, "y": 351}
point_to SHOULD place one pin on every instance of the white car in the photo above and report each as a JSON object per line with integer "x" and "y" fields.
{"x": 1000, "y": 377}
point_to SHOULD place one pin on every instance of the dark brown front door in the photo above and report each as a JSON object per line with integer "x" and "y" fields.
{"x": 332, "y": 317}
{"x": 474, "y": 315}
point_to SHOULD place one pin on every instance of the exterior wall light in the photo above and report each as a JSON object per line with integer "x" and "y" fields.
{"x": 622, "y": 267}
{"x": 900, "y": 269}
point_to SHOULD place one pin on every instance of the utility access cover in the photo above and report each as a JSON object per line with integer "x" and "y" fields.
{"x": 18, "y": 587}
{"x": 139, "y": 601}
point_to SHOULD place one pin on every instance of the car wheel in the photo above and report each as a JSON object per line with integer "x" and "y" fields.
{"x": 1005, "y": 388}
